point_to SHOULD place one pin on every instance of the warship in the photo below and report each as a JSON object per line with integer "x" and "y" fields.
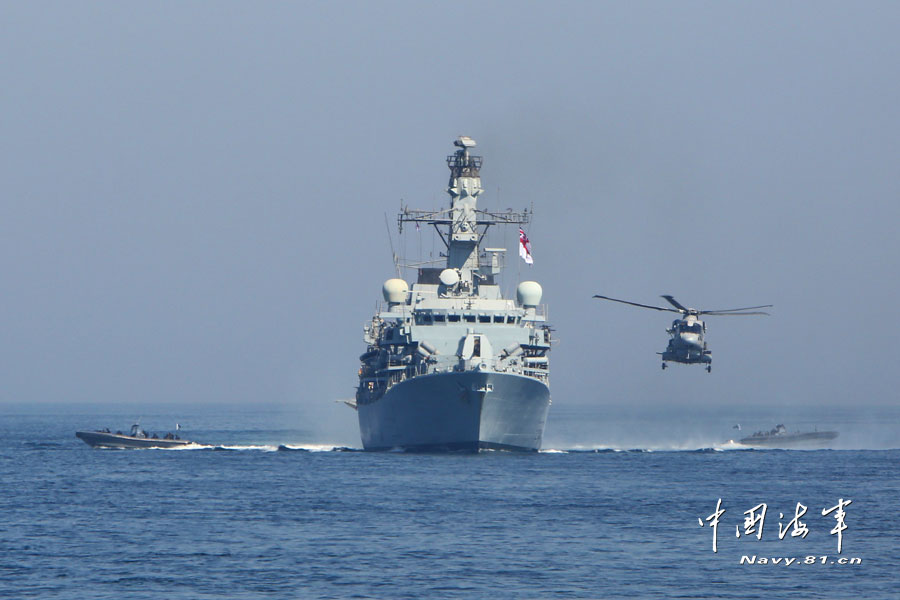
{"x": 450, "y": 364}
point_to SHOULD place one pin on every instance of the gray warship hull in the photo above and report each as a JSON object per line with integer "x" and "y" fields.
{"x": 463, "y": 411}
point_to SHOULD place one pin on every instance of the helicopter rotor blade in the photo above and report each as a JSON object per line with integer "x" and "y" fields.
{"x": 675, "y": 303}
{"x": 719, "y": 313}
{"x": 635, "y": 303}
{"x": 728, "y": 310}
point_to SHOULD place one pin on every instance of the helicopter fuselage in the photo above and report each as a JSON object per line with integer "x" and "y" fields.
{"x": 686, "y": 343}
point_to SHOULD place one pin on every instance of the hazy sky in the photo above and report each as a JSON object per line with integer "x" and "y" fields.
{"x": 193, "y": 194}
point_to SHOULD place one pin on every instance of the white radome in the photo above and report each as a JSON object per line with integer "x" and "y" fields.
{"x": 528, "y": 293}
{"x": 449, "y": 277}
{"x": 395, "y": 291}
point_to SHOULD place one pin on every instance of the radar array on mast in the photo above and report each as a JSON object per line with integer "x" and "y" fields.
{"x": 443, "y": 217}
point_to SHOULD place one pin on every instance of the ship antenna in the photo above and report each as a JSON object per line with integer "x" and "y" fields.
{"x": 391, "y": 241}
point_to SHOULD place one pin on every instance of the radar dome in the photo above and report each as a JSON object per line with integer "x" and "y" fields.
{"x": 395, "y": 291}
{"x": 528, "y": 293}
{"x": 449, "y": 277}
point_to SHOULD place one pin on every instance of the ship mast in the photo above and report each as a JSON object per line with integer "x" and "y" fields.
{"x": 464, "y": 188}
{"x": 466, "y": 225}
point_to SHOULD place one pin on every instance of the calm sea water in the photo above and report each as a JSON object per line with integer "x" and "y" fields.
{"x": 241, "y": 519}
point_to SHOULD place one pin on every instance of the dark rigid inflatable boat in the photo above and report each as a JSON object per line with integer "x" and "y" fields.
{"x": 138, "y": 438}
{"x": 781, "y": 438}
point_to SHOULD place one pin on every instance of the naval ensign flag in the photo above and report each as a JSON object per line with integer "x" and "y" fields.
{"x": 525, "y": 247}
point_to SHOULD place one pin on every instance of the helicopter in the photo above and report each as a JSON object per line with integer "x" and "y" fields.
{"x": 686, "y": 344}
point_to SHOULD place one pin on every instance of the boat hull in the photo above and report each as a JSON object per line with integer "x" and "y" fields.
{"x": 462, "y": 411}
{"x": 99, "y": 439}
{"x": 791, "y": 440}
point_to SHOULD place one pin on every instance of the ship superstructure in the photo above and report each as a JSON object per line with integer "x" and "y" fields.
{"x": 450, "y": 363}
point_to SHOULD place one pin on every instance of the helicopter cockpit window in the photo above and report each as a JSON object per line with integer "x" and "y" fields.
{"x": 695, "y": 328}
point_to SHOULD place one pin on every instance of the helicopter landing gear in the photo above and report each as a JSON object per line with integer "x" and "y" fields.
{"x": 664, "y": 366}
{"x": 709, "y": 368}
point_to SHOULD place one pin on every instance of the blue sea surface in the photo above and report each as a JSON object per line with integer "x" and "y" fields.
{"x": 239, "y": 518}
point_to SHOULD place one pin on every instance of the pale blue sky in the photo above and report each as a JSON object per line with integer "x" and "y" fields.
{"x": 193, "y": 193}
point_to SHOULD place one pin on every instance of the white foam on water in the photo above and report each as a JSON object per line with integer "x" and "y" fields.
{"x": 263, "y": 447}
{"x": 258, "y": 447}
{"x": 314, "y": 447}
{"x": 578, "y": 448}
{"x": 192, "y": 446}
{"x": 730, "y": 445}
{"x": 600, "y": 448}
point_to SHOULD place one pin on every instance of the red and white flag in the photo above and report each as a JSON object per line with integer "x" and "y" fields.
{"x": 525, "y": 247}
